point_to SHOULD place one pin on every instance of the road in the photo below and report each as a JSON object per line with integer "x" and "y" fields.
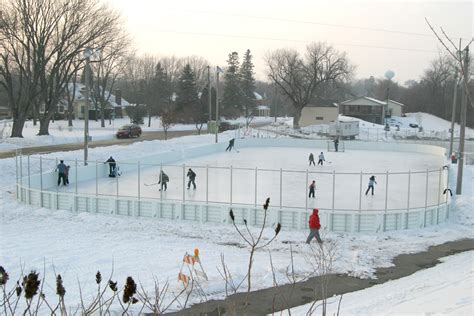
{"x": 100, "y": 143}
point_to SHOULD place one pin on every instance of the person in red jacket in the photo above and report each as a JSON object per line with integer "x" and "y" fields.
{"x": 314, "y": 226}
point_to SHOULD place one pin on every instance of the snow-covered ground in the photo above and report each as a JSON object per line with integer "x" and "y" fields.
{"x": 426, "y": 292}
{"x": 434, "y": 128}
{"x": 60, "y": 133}
{"x": 77, "y": 245}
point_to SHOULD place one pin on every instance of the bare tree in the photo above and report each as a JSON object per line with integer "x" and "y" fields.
{"x": 43, "y": 40}
{"x": 299, "y": 77}
{"x": 112, "y": 63}
{"x": 168, "y": 118}
{"x": 198, "y": 65}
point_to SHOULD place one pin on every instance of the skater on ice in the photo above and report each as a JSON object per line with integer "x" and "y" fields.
{"x": 336, "y": 144}
{"x": 62, "y": 172}
{"x": 112, "y": 166}
{"x": 164, "y": 179}
{"x": 231, "y": 145}
{"x": 372, "y": 183}
{"x": 312, "y": 187}
{"x": 321, "y": 158}
{"x": 314, "y": 226}
{"x": 192, "y": 176}
{"x": 311, "y": 159}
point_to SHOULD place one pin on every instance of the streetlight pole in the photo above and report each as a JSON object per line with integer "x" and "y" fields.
{"x": 87, "y": 54}
{"x": 453, "y": 114}
{"x": 217, "y": 103}
{"x": 209, "y": 96}
{"x": 463, "y": 122}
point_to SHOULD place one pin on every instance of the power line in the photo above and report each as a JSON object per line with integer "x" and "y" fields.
{"x": 360, "y": 28}
{"x": 294, "y": 40}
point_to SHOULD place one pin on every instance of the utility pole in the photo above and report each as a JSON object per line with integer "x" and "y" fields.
{"x": 209, "y": 98}
{"x": 87, "y": 54}
{"x": 453, "y": 115}
{"x": 217, "y": 103}
{"x": 463, "y": 121}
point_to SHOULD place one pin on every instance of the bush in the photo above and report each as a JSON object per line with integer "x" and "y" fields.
{"x": 136, "y": 114}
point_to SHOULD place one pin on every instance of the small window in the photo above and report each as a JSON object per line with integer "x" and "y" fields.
{"x": 319, "y": 118}
{"x": 61, "y": 109}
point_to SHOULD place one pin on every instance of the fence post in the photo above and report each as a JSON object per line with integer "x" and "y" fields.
{"x": 96, "y": 179}
{"x": 138, "y": 188}
{"x": 29, "y": 181}
{"x": 16, "y": 173}
{"x": 306, "y": 192}
{"x": 408, "y": 198}
{"x": 386, "y": 193}
{"x": 360, "y": 202}
{"x": 256, "y": 177}
{"x": 21, "y": 178}
{"x": 184, "y": 183}
{"x": 231, "y": 172}
{"x": 439, "y": 196}
{"x": 161, "y": 191}
{"x": 75, "y": 186}
{"x": 207, "y": 184}
{"x": 426, "y": 198}
{"x": 281, "y": 187}
{"x": 447, "y": 186}
{"x": 57, "y": 187}
{"x": 41, "y": 181}
{"x": 333, "y": 187}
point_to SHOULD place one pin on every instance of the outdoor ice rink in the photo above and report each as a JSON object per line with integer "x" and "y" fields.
{"x": 256, "y": 175}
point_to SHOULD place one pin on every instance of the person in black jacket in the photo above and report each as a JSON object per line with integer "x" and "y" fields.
{"x": 112, "y": 165}
{"x": 163, "y": 180}
{"x": 192, "y": 176}
{"x": 231, "y": 145}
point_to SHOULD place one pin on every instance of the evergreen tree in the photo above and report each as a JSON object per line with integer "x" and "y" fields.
{"x": 187, "y": 96}
{"x": 247, "y": 87}
{"x": 232, "y": 97}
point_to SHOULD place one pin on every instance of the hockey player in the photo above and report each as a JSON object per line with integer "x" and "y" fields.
{"x": 371, "y": 185}
{"x": 112, "y": 166}
{"x": 311, "y": 159}
{"x": 312, "y": 187}
{"x": 192, "y": 176}
{"x": 314, "y": 226}
{"x": 321, "y": 158}
{"x": 231, "y": 145}
{"x": 62, "y": 172}
{"x": 164, "y": 179}
{"x": 336, "y": 144}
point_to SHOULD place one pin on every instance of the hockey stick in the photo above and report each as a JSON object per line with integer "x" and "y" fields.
{"x": 149, "y": 184}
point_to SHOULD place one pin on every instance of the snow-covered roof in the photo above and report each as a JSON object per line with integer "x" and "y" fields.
{"x": 257, "y": 96}
{"x": 263, "y": 107}
{"x": 79, "y": 95}
{"x": 395, "y": 102}
{"x": 363, "y": 101}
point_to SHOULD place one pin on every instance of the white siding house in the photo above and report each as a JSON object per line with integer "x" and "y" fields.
{"x": 321, "y": 113}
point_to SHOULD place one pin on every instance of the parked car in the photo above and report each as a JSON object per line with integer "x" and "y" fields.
{"x": 129, "y": 130}
{"x": 413, "y": 125}
{"x": 225, "y": 126}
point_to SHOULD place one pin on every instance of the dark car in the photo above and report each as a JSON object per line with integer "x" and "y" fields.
{"x": 129, "y": 130}
{"x": 413, "y": 125}
{"x": 225, "y": 126}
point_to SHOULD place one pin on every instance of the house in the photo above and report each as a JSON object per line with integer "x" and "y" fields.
{"x": 319, "y": 112}
{"x": 394, "y": 108}
{"x": 5, "y": 112}
{"x": 114, "y": 108}
{"x": 370, "y": 109}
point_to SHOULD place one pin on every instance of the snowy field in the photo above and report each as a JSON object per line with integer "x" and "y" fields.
{"x": 77, "y": 245}
{"x": 434, "y": 128}
{"x": 294, "y": 162}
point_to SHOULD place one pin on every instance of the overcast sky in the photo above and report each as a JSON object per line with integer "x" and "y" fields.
{"x": 377, "y": 35}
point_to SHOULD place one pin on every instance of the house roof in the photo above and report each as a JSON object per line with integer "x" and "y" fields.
{"x": 322, "y": 103}
{"x": 263, "y": 107}
{"x": 364, "y": 101}
{"x": 79, "y": 95}
{"x": 257, "y": 96}
{"x": 395, "y": 102}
